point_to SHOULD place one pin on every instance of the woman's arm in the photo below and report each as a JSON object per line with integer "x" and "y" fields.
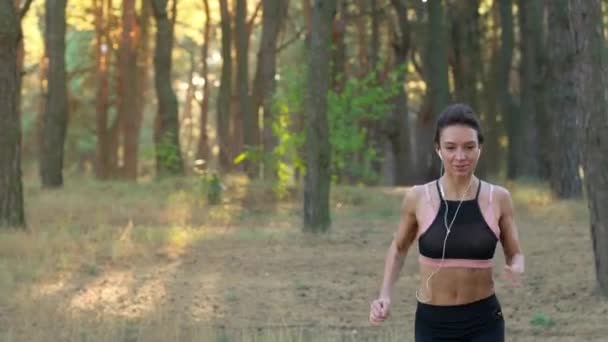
{"x": 402, "y": 241}
{"x": 509, "y": 236}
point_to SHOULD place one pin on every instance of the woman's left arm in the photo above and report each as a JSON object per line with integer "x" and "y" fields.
{"x": 509, "y": 237}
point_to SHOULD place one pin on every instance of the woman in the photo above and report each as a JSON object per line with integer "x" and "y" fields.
{"x": 456, "y": 299}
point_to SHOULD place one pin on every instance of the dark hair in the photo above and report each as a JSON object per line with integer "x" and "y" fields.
{"x": 458, "y": 114}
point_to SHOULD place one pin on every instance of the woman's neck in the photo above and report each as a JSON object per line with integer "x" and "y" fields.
{"x": 457, "y": 186}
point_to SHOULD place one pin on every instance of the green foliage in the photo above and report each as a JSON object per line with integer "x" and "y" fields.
{"x": 211, "y": 186}
{"x": 168, "y": 153}
{"x": 288, "y": 128}
{"x": 363, "y": 103}
{"x": 542, "y": 320}
{"x": 251, "y": 153}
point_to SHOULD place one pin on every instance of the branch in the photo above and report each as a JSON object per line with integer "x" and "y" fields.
{"x": 71, "y": 74}
{"x": 291, "y": 40}
{"x": 25, "y": 8}
{"x": 254, "y": 16}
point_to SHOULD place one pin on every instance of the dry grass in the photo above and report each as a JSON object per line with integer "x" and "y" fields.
{"x": 154, "y": 262}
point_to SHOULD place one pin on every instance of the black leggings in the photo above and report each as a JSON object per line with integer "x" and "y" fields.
{"x": 480, "y": 321}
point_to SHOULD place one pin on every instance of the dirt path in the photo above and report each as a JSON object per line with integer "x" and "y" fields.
{"x": 265, "y": 274}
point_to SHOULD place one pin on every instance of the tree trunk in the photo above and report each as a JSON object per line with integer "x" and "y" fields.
{"x": 143, "y": 67}
{"x": 56, "y": 114}
{"x": 102, "y": 60}
{"x": 274, "y": 13}
{"x": 128, "y": 89}
{"x": 187, "y": 122}
{"x": 465, "y": 52}
{"x": 362, "y": 46}
{"x": 339, "y": 48}
{"x": 438, "y": 94}
{"x": 225, "y": 91}
{"x": 245, "y": 107}
{"x": 374, "y": 41}
{"x": 502, "y": 85}
{"x": 11, "y": 188}
{"x": 465, "y": 60}
{"x": 166, "y": 137}
{"x": 527, "y": 154}
{"x": 590, "y": 72}
{"x": 565, "y": 180}
{"x": 375, "y": 138}
{"x": 399, "y": 137}
{"x": 544, "y": 125}
{"x": 318, "y": 158}
{"x": 203, "y": 142}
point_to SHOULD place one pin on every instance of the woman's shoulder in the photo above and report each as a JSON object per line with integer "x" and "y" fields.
{"x": 418, "y": 192}
{"x": 496, "y": 191}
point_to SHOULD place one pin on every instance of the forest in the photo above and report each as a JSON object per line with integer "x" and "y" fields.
{"x": 233, "y": 170}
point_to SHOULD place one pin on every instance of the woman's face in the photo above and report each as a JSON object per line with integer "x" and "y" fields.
{"x": 459, "y": 149}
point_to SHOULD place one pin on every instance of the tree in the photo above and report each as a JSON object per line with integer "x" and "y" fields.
{"x": 465, "y": 53}
{"x": 55, "y": 119}
{"x": 11, "y": 188}
{"x": 128, "y": 109}
{"x": 399, "y": 130}
{"x": 264, "y": 84}
{"x": 564, "y": 177}
{"x": 531, "y": 152}
{"x": 166, "y": 135}
{"x": 438, "y": 91}
{"x": 225, "y": 91}
{"x": 318, "y": 156}
{"x": 590, "y": 70}
{"x": 202, "y": 151}
{"x": 103, "y": 166}
{"x": 245, "y": 107}
{"x": 510, "y": 115}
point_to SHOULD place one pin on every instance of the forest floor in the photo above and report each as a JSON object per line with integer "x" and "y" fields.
{"x": 153, "y": 262}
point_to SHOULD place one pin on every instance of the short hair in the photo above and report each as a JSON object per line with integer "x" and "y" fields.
{"x": 458, "y": 114}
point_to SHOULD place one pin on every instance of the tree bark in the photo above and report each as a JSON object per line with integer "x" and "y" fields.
{"x": 166, "y": 138}
{"x": 507, "y": 109}
{"x": 438, "y": 93}
{"x": 318, "y": 157}
{"x": 339, "y": 48}
{"x": 102, "y": 60}
{"x": 399, "y": 136}
{"x": 225, "y": 91}
{"x": 245, "y": 107}
{"x": 530, "y": 151}
{"x": 129, "y": 89}
{"x": 55, "y": 119}
{"x": 590, "y": 71}
{"x": 203, "y": 142}
{"x": 565, "y": 180}
{"x": 264, "y": 84}
{"x": 11, "y": 187}
{"x": 466, "y": 57}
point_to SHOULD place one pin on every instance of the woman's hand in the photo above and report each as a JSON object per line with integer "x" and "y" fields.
{"x": 514, "y": 271}
{"x": 379, "y": 310}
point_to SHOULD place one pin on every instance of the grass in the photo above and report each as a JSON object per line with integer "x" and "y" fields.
{"x": 154, "y": 261}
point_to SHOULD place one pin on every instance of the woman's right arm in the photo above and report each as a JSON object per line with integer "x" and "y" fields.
{"x": 402, "y": 241}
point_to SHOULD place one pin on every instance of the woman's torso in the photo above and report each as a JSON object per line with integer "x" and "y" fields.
{"x": 457, "y": 284}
